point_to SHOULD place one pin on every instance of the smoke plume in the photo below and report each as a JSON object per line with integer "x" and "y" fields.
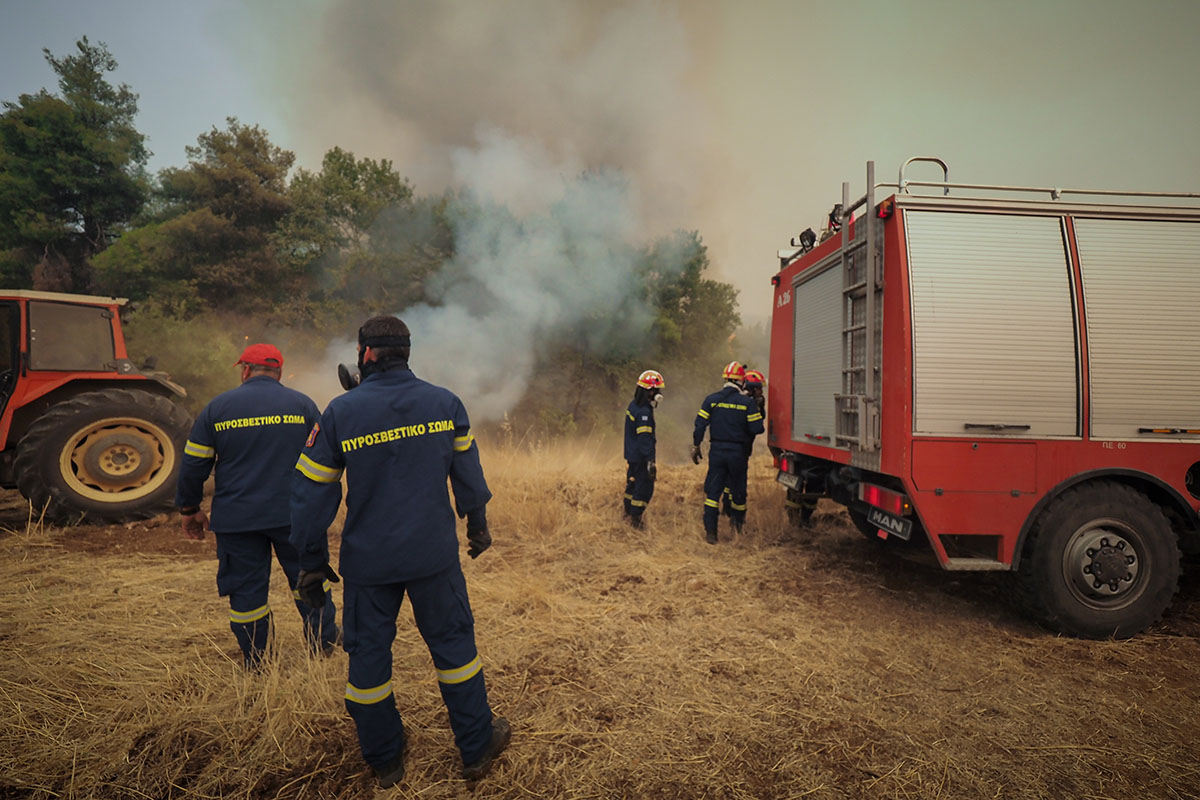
{"x": 570, "y": 129}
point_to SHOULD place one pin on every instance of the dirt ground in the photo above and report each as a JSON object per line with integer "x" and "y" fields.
{"x": 784, "y": 663}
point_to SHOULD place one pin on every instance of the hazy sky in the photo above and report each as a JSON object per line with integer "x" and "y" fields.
{"x": 739, "y": 119}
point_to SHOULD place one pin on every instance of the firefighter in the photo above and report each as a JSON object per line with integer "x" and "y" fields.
{"x": 733, "y": 420}
{"x": 252, "y": 436}
{"x": 398, "y": 439}
{"x": 756, "y": 384}
{"x": 753, "y": 388}
{"x": 640, "y": 445}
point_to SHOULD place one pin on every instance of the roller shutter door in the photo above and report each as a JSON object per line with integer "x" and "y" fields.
{"x": 993, "y": 326}
{"x": 817, "y": 365}
{"x": 1141, "y": 283}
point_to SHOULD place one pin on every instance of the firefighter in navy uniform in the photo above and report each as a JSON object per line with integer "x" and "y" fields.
{"x": 640, "y": 445}
{"x": 752, "y": 388}
{"x": 398, "y": 439}
{"x": 252, "y": 434}
{"x": 733, "y": 420}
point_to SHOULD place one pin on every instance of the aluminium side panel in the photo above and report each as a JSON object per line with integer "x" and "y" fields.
{"x": 1141, "y": 285}
{"x": 994, "y": 340}
{"x": 817, "y": 354}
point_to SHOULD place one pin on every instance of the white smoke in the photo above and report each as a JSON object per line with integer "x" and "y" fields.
{"x": 573, "y": 125}
{"x": 545, "y": 256}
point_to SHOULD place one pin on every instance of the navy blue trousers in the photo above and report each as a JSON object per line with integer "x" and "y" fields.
{"x": 639, "y": 487}
{"x": 727, "y": 466}
{"x": 443, "y": 616}
{"x": 244, "y": 576}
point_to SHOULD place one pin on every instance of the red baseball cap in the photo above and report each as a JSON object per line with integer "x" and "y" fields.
{"x": 263, "y": 355}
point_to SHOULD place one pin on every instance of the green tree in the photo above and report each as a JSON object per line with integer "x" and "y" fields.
{"x": 356, "y": 233}
{"x": 212, "y": 243}
{"x": 71, "y": 172}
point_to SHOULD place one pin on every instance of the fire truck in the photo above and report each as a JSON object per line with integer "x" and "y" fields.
{"x": 1007, "y": 375}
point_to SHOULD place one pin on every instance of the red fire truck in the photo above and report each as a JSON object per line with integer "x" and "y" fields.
{"x": 1008, "y": 374}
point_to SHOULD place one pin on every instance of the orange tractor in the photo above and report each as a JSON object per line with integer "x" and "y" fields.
{"x": 84, "y": 433}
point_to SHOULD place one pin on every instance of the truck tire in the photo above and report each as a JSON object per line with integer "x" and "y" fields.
{"x": 859, "y": 520}
{"x": 1101, "y": 561}
{"x": 103, "y": 456}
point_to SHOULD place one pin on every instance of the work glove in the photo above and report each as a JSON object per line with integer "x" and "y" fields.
{"x": 653, "y": 470}
{"x": 696, "y": 454}
{"x": 478, "y": 538}
{"x": 194, "y": 525}
{"x": 310, "y": 585}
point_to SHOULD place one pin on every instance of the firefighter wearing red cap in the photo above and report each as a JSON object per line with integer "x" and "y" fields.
{"x": 640, "y": 445}
{"x": 252, "y": 436}
{"x": 733, "y": 420}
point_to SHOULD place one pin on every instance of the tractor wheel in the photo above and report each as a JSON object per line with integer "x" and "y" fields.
{"x": 1101, "y": 561}
{"x": 105, "y": 455}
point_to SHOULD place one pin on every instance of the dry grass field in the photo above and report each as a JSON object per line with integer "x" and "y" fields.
{"x": 783, "y": 664}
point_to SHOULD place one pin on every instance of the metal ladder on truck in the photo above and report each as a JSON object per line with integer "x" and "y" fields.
{"x": 857, "y": 406}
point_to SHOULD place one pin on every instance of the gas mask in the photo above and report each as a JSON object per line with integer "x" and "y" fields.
{"x": 348, "y": 376}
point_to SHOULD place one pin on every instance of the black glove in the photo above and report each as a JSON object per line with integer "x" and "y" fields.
{"x": 310, "y": 585}
{"x": 696, "y": 454}
{"x": 653, "y": 470}
{"x": 478, "y": 537}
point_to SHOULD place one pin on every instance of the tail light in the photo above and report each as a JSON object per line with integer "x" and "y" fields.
{"x": 884, "y": 498}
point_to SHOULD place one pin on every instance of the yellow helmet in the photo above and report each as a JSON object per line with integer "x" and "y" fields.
{"x": 651, "y": 380}
{"x": 734, "y": 371}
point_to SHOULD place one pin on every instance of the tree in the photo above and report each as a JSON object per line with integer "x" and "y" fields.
{"x": 71, "y": 172}
{"x": 359, "y": 237}
{"x": 212, "y": 244}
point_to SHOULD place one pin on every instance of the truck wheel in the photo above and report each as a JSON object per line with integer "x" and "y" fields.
{"x": 105, "y": 455}
{"x": 864, "y": 527}
{"x": 1101, "y": 561}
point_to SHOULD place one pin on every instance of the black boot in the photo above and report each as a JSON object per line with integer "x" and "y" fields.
{"x": 392, "y": 772}
{"x": 501, "y": 734}
{"x": 710, "y": 537}
{"x": 635, "y": 520}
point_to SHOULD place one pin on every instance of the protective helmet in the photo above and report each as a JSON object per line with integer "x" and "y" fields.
{"x": 651, "y": 380}
{"x": 754, "y": 378}
{"x": 734, "y": 371}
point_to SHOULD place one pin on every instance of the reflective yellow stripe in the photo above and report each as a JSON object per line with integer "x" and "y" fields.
{"x": 325, "y": 586}
{"x": 318, "y": 472}
{"x": 628, "y": 496}
{"x": 645, "y": 429}
{"x": 638, "y": 503}
{"x": 628, "y": 413}
{"x": 702, "y": 413}
{"x": 463, "y": 443}
{"x": 736, "y": 507}
{"x": 755, "y": 417}
{"x": 710, "y": 503}
{"x": 249, "y": 616}
{"x": 461, "y": 674}
{"x": 367, "y": 696}
{"x": 198, "y": 450}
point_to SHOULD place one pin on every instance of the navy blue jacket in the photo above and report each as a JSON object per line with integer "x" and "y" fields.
{"x": 732, "y": 417}
{"x": 639, "y": 433}
{"x": 398, "y": 439}
{"x": 253, "y": 434}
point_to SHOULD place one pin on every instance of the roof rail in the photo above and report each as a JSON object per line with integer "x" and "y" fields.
{"x": 1056, "y": 192}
